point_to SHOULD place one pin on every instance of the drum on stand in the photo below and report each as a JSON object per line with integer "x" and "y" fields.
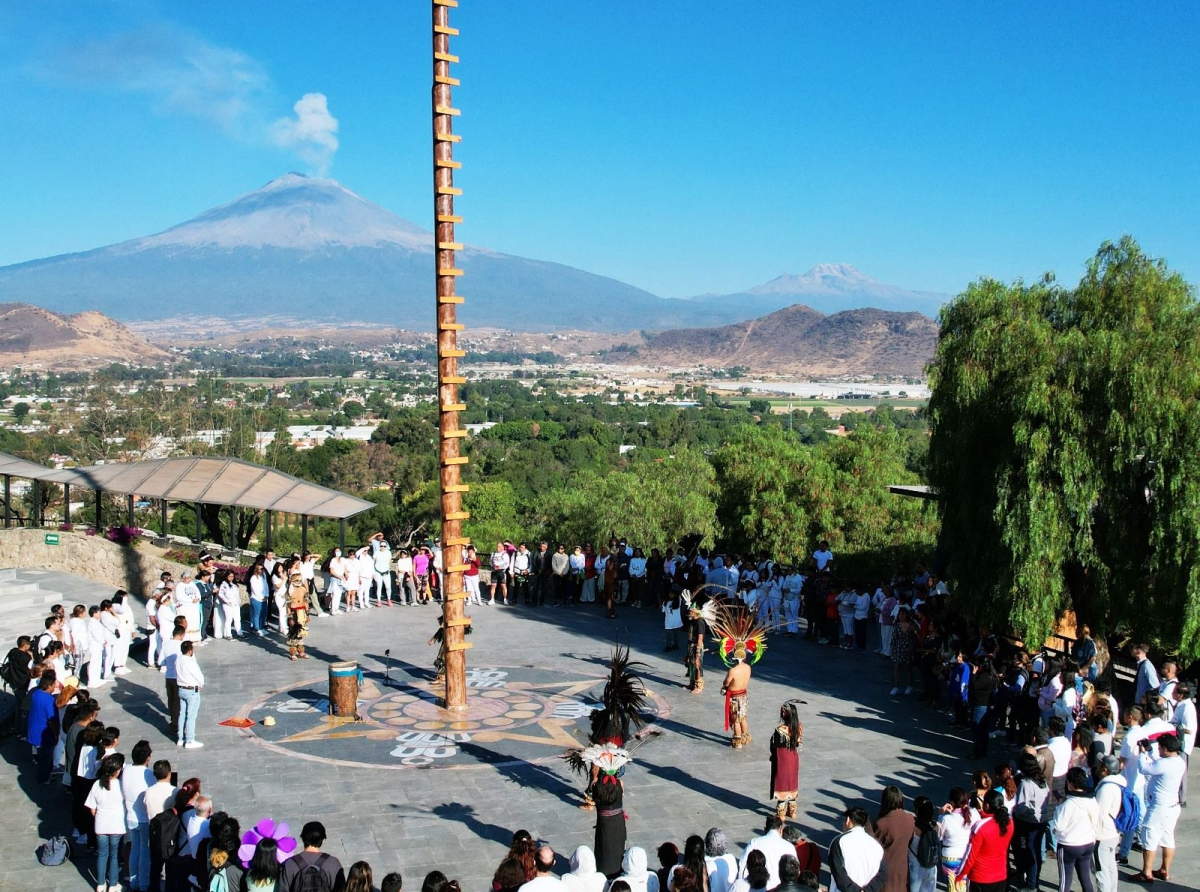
{"x": 343, "y": 690}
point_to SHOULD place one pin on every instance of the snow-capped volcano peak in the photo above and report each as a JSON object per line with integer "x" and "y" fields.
{"x": 294, "y": 211}
{"x": 822, "y": 277}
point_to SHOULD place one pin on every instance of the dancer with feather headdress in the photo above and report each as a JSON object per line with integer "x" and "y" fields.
{"x": 742, "y": 642}
{"x": 624, "y": 702}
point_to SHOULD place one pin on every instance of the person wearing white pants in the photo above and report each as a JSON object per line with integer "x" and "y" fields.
{"x": 471, "y": 577}
{"x": 381, "y": 575}
{"x": 229, "y": 608}
{"x": 366, "y": 576}
{"x": 98, "y": 640}
{"x": 1109, "y": 791}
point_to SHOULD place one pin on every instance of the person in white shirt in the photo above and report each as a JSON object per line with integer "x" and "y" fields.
{"x": 1077, "y": 826}
{"x": 308, "y": 572}
{"x": 544, "y": 881}
{"x": 499, "y": 562}
{"x": 1109, "y": 789}
{"x": 823, "y": 556}
{"x": 583, "y": 876}
{"x": 123, "y": 611}
{"x": 159, "y": 793}
{"x": 112, "y": 645}
{"x": 107, "y": 806}
{"x": 793, "y": 582}
{"x": 1134, "y": 780}
{"x": 269, "y": 561}
{"x": 381, "y": 579}
{"x": 1164, "y": 773}
{"x": 99, "y": 640}
{"x": 862, "y": 616}
{"x": 855, "y": 858}
{"x": 335, "y": 582}
{"x": 197, "y": 824}
{"x": 366, "y": 576}
{"x": 191, "y": 683}
{"x": 77, "y": 631}
{"x": 258, "y": 583}
{"x": 722, "y": 867}
{"x": 773, "y": 846}
{"x": 1184, "y": 719}
{"x": 522, "y": 573}
{"x": 406, "y": 591}
{"x": 228, "y": 620}
{"x": 135, "y": 781}
{"x": 187, "y": 603}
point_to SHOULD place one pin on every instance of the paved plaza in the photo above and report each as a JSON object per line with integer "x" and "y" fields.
{"x": 408, "y": 790}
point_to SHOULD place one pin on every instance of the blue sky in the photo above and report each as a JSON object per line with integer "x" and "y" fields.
{"x": 684, "y": 147}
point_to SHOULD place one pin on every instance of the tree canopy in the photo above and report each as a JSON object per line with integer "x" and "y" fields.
{"x": 1063, "y": 446}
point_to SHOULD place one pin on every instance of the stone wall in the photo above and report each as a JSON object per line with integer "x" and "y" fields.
{"x": 135, "y": 569}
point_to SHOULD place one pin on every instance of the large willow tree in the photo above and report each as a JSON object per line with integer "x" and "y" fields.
{"x": 1066, "y": 449}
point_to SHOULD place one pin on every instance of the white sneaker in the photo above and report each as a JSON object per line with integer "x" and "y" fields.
{"x": 179, "y": 743}
{"x": 121, "y": 670}
{"x": 908, "y": 690}
{"x": 101, "y": 683}
{"x": 193, "y": 745}
{"x": 894, "y": 692}
{"x": 202, "y": 643}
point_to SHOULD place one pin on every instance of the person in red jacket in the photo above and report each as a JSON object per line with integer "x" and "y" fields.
{"x": 986, "y": 863}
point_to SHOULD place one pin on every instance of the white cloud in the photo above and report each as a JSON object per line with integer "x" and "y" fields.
{"x": 312, "y": 133}
{"x": 183, "y": 73}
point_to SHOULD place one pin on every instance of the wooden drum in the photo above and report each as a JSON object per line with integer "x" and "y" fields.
{"x": 343, "y": 690}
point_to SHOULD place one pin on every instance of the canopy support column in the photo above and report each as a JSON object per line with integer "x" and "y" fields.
{"x": 99, "y": 512}
{"x": 342, "y": 534}
{"x": 66, "y": 503}
{"x": 233, "y": 528}
{"x": 7, "y": 500}
{"x": 162, "y": 509}
{"x": 267, "y": 529}
{"x": 129, "y": 510}
{"x": 303, "y": 534}
{"x": 36, "y": 514}
{"x": 198, "y": 536}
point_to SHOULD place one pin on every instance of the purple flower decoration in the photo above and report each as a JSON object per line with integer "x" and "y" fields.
{"x": 262, "y": 830}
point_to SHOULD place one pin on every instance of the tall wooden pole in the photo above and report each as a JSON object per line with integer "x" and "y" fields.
{"x": 451, "y": 435}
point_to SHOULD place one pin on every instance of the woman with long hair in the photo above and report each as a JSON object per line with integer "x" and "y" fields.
{"x": 106, "y": 804}
{"x": 263, "y": 873}
{"x": 922, "y": 877}
{"x": 1004, "y": 781}
{"x": 684, "y": 880}
{"x": 986, "y": 864}
{"x": 757, "y": 876}
{"x": 509, "y": 876}
{"x": 694, "y": 864}
{"x": 228, "y": 621}
{"x": 894, "y": 828}
{"x": 524, "y": 851}
{"x": 1031, "y": 814}
{"x": 786, "y": 744}
{"x": 84, "y": 771}
{"x": 954, "y": 830}
{"x": 359, "y": 878}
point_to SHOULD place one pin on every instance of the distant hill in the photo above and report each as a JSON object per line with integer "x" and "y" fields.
{"x": 800, "y": 340}
{"x": 309, "y": 249}
{"x": 31, "y": 336}
{"x": 831, "y": 288}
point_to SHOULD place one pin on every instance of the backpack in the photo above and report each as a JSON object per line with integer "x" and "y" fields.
{"x": 164, "y": 834}
{"x": 312, "y": 877}
{"x": 54, "y": 851}
{"x": 929, "y": 849}
{"x": 219, "y": 882}
{"x": 1129, "y": 815}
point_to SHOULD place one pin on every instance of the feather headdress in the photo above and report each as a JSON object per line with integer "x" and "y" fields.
{"x": 625, "y": 694}
{"x": 742, "y": 636}
{"x": 608, "y": 757}
{"x": 706, "y": 611}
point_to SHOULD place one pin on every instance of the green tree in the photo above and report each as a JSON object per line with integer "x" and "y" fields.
{"x": 493, "y": 508}
{"x": 20, "y": 412}
{"x": 1064, "y": 427}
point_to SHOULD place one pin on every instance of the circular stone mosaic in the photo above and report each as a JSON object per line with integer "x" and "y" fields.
{"x": 513, "y": 715}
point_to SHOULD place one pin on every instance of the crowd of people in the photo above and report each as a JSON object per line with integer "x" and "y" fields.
{"x": 1089, "y": 785}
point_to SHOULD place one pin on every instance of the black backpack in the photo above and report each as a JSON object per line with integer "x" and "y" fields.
{"x": 929, "y": 849}
{"x": 312, "y": 877}
{"x": 164, "y": 834}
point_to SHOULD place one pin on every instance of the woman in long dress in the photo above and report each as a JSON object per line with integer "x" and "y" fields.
{"x": 786, "y": 744}
{"x": 609, "y": 796}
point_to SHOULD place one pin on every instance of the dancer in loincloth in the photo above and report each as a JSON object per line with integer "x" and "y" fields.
{"x": 786, "y": 743}
{"x": 439, "y": 638}
{"x": 624, "y": 705}
{"x": 297, "y": 621}
{"x": 742, "y": 642}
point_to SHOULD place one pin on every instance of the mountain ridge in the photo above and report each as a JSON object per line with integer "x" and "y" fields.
{"x": 310, "y": 247}
{"x": 801, "y": 340}
{"x": 33, "y": 336}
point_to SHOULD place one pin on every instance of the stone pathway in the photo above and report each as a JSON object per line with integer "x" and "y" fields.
{"x": 684, "y": 779}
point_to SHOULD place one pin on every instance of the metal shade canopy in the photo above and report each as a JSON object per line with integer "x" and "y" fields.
{"x": 208, "y": 480}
